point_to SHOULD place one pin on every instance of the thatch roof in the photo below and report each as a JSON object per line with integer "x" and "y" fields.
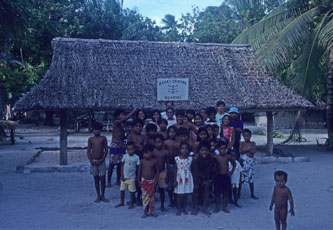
{"x": 104, "y": 74}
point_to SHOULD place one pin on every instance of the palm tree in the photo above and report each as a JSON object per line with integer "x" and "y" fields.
{"x": 297, "y": 35}
{"x": 169, "y": 22}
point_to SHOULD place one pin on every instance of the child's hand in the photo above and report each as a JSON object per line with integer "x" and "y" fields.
{"x": 122, "y": 178}
{"x": 175, "y": 184}
{"x": 292, "y": 212}
{"x": 271, "y": 207}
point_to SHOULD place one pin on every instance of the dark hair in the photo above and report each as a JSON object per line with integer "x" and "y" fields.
{"x": 214, "y": 126}
{"x": 198, "y": 115}
{"x": 201, "y": 129}
{"x": 182, "y": 131}
{"x": 281, "y": 173}
{"x": 209, "y": 126}
{"x": 220, "y": 143}
{"x": 172, "y": 127}
{"x": 210, "y": 110}
{"x": 171, "y": 109}
{"x": 117, "y": 112}
{"x": 159, "y": 136}
{"x": 98, "y": 126}
{"x": 191, "y": 111}
{"x": 224, "y": 139}
{"x": 212, "y": 139}
{"x": 147, "y": 148}
{"x": 155, "y": 111}
{"x": 130, "y": 143}
{"x": 138, "y": 121}
{"x": 220, "y": 103}
{"x": 205, "y": 144}
{"x": 169, "y": 102}
{"x": 151, "y": 127}
{"x": 247, "y": 131}
{"x": 160, "y": 121}
{"x": 140, "y": 110}
{"x": 185, "y": 143}
{"x": 180, "y": 112}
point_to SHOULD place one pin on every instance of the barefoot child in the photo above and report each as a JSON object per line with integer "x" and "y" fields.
{"x": 227, "y": 131}
{"x": 163, "y": 124}
{"x": 151, "y": 130}
{"x": 97, "y": 151}
{"x": 280, "y": 198}
{"x": 129, "y": 166}
{"x": 161, "y": 155}
{"x": 183, "y": 180}
{"x": 235, "y": 177}
{"x": 222, "y": 180}
{"x": 117, "y": 147}
{"x": 148, "y": 178}
{"x": 247, "y": 149}
{"x": 171, "y": 146}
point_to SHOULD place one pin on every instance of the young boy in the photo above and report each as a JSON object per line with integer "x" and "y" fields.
{"x": 136, "y": 137}
{"x": 163, "y": 124}
{"x": 247, "y": 149}
{"x": 129, "y": 166}
{"x": 97, "y": 151}
{"x": 117, "y": 148}
{"x": 222, "y": 180}
{"x": 161, "y": 155}
{"x": 171, "y": 145}
{"x": 211, "y": 112}
{"x": 204, "y": 166}
{"x": 183, "y": 136}
{"x": 151, "y": 130}
{"x": 220, "y": 107}
{"x": 216, "y": 131}
{"x": 238, "y": 126}
{"x": 280, "y": 198}
{"x": 147, "y": 179}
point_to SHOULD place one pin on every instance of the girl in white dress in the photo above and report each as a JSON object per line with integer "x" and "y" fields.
{"x": 183, "y": 177}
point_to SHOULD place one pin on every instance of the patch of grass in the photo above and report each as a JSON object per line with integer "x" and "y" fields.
{"x": 259, "y": 132}
{"x": 277, "y": 135}
{"x": 299, "y": 139}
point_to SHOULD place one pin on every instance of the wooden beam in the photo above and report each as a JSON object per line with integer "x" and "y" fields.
{"x": 63, "y": 137}
{"x": 269, "y": 147}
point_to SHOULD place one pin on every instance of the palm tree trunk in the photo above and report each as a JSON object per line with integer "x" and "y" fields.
{"x": 329, "y": 105}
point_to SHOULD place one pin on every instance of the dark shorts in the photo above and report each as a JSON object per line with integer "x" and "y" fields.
{"x": 222, "y": 183}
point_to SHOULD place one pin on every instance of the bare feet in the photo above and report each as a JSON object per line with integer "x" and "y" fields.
{"x": 144, "y": 215}
{"x": 178, "y": 213}
{"x": 254, "y": 197}
{"x": 185, "y": 212}
{"x": 163, "y": 209}
{"x": 98, "y": 199}
{"x": 104, "y": 199}
{"x": 206, "y": 212}
{"x": 216, "y": 210}
{"x": 131, "y": 206}
{"x": 226, "y": 210}
{"x": 119, "y": 205}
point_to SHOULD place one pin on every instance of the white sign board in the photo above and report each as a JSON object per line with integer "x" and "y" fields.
{"x": 172, "y": 89}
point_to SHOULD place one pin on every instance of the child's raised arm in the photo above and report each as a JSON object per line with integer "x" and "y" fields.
{"x": 291, "y": 203}
{"x": 126, "y": 117}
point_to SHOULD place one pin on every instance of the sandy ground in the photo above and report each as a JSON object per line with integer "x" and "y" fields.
{"x": 65, "y": 200}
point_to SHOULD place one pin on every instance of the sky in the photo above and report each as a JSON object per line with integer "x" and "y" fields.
{"x": 157, "y": 9}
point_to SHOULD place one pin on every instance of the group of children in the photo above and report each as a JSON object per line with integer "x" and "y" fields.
{"x": 184, "y": 154}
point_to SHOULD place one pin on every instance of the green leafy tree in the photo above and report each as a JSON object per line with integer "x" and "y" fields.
{"x": 297, "y": 35}
{"x": 170, "y": 28}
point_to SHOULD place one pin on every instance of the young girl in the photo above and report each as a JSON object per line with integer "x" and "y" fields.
{"x": 183, "y": 180}
{"x": 202, "y": 136}
{"x": 198, "y": 122}
{"x": 227, "y": 131}
{"x": 235, "y": 177}
{"x": 247, "y": 149}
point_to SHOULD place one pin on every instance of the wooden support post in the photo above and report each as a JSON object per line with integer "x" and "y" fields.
{"x": 63, "y": 137}
{"x": 12, "y": 137}
{"x": 269, "y": 147}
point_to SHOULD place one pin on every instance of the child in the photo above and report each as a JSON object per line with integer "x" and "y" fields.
{"x": 202, "y": 136}
{"x": 163, "y": 124}
{"x": 222, "y": 180}
{"x": 147, "y": 178}
{"x": 211, "y": 112}
{"x": 161, "y": 155}
{"x": 247, "y": 149}
{"x": 181, "y": 123}
{"x": 151, "y": 130}
{"x": 171, "y": 145}
{"x": 203, "y": 114}
{"x": 213, "y": 144}
{"x": 183, "y": 180}
{"x": 136, "y": 137}
{"x": 227, "y": 131}
{"x": 117, "y": 148}
{"x": 209, "y": 130}
{"x": 280, "y": 198}
{"x": 204, "y": 165}
{"x": 220, "y": 107}
{"x": 235, "y": 177}
{"x": 216, "y": 131}
{"x": 182, "y": 134}
{"x": 97, "y": 151}
{"x": 141, "y": 115}
{"x": 170, "y": 113}
{"x": 129, "y": 166}
{"x": 198, "y": 122}
{"x": 168, "y": 104}
{"x": 190, "y": 115}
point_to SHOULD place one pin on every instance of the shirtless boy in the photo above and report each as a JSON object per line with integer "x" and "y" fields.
{"x": 171, "y": 145}
{"x": 97, "y": 151}
{"x": 280, "y": 198}
{"x": 151, "y": 130}
{"x": 136, "y": 137}
{"x": 163, "y": 124}
{"x": 222, "y": 180}
{"x": 117, "y": 147}
{"x": 148, "y": 178}
{"x": 161, "y": 155}
{"x": 183, "y": 136}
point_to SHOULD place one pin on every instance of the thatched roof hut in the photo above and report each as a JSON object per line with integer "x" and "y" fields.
{"x": 103, "y": 74}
